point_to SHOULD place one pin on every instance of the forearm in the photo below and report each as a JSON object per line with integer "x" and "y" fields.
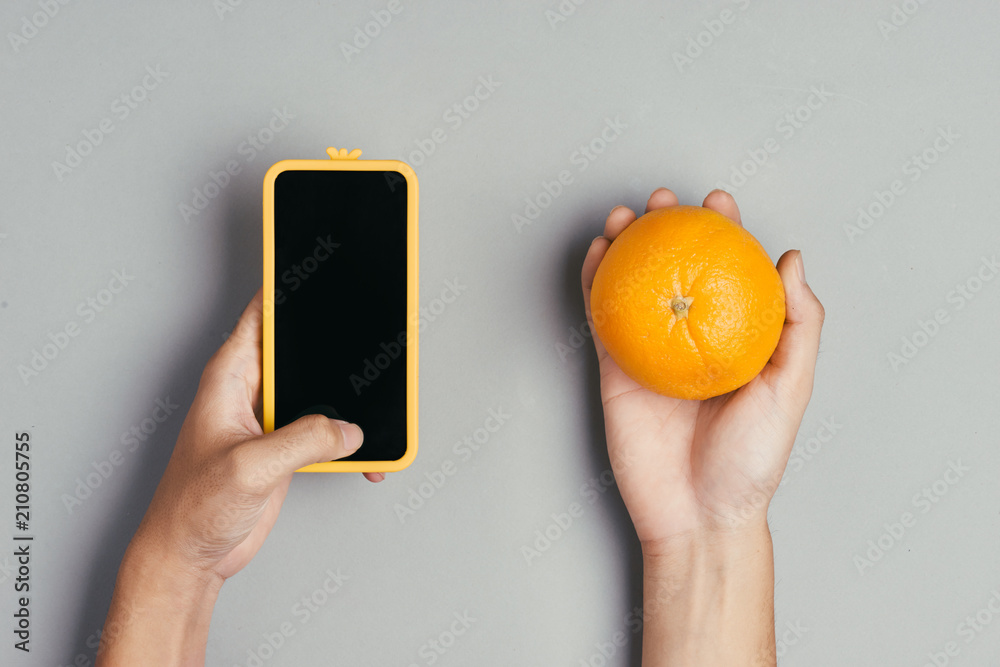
{"x": 160, "y": 613}
{"x": 709, "y": 600}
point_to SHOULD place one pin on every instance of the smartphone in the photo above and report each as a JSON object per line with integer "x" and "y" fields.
{"x": 340, "y": 302}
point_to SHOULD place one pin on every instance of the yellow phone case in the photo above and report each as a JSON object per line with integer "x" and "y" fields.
{"x": 342, "y": 160}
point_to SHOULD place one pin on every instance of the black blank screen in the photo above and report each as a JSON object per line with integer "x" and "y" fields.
{"x": 340, "y": 303}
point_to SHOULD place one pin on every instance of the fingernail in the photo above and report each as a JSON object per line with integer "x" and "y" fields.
{"x": 616, "y": 208}
{"x": 799, "y": 268}
{"x": 353, "y": 436}
{"x": 596, "y": 239}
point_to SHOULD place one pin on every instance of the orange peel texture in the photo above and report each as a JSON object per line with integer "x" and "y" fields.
{"x": 688, "y": 303}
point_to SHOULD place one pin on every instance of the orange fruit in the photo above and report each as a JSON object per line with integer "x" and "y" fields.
{"x": 688, "y": 303}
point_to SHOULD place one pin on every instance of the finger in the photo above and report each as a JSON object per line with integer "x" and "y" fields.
{"x": 793, "y": 363}
{"x": 661, "y": 198}
{"x": 240, "y": 356}
{"x": 595, "y": 254}
{"x": 598, "y": 247}
{"x": 723, "y": 202}
{"x": 307, "y": 440}
{"x": 374, "y": 476}
{"x": 619, "y": 218}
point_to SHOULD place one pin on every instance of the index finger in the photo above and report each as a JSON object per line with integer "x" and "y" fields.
{"x": 240, "y": 357}
{"x": 722, "y": 202}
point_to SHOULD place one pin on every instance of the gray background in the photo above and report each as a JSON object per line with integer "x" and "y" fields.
{"x": 689, "y": 126}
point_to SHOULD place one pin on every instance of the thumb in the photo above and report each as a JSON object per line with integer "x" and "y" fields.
{"x": 307, "y": 440}
{"x": 793, "y": 363}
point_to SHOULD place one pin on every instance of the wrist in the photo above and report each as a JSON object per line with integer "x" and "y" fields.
{"x": 164, "y": 575}
{"x": 710, "y": 542}
{"x": 708, "y": 597}
{"x": 158, "y": 601}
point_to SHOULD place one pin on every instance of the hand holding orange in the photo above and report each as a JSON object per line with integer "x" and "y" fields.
{"x": 688, "y": 303}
